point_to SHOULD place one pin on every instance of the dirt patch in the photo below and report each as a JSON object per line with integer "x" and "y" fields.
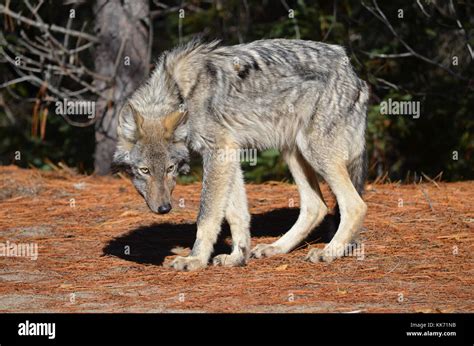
{"x": 100, "y": 249}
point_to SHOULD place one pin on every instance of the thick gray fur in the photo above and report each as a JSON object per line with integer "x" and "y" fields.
{"x": 300, "y": 97}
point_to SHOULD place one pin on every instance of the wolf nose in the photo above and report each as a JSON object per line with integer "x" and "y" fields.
{"x": 164, "y": 209}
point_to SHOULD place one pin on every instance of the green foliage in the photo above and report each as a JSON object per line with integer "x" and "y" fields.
{"x": 270, "y": 166}
{"x": 62, "y": 143}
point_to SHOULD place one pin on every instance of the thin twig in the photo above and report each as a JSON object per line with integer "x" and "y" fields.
{"x": 429, "y": 179}
{"x": 393, "y": 86}
{"x": 461, "y": 28}
{"x": 387, "y": 56}
{"x": 422, "y": 8}
{"x": 15, "y": 81}
{"x": 427, "y": 199}
{"x": 379, "y": 14}
{"x": 46, "y": 27}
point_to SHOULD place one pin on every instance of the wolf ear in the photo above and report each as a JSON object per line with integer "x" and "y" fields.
{"x": 121, "y": 160}
{"x": 130, "y": 124}
{"x": 172, "y": 121}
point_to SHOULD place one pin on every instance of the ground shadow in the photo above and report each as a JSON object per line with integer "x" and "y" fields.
{"x": 153, "y": 243}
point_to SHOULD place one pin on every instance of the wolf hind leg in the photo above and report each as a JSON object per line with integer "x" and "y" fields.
{"x": 313, "y": 209}
{"x": 238, "y": 217}
{"x": 335, "y": 172}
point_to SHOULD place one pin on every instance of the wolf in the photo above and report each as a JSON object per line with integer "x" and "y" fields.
{"x": 300, "y": 97}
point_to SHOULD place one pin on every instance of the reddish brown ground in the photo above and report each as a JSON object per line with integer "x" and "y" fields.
{"x": 418, "y": 257}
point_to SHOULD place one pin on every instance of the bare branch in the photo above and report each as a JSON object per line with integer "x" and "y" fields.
{"x": 461, "y": 28}
{"x": 422, "y": 8}
{"x": 20, "y": 66}
{"x": 15, "y": 81}
{"x": 33, "y": 44}
{"x": 391, "y": 85}
{"x": 7, "y": 110}
{"x": 161, "y": 13}
{"x": 387, "y": 56}
{"x": 378, "y": 13}
{"x": 46, "y": 27}
{"x": 120, "y": 52}
{"x": 34, "y": 11}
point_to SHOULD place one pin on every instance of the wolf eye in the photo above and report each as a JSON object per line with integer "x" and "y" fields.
{"x": 170, "y": 169}
{"x": 144, "y": 170}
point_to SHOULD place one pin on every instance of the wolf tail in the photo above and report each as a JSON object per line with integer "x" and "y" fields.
{"x": 358, "y": 171}
{"x": 358, "y": 166}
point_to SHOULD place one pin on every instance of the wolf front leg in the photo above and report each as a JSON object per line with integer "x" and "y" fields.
{"x": 238, "y": 216}
{"x": 219, "y": 173}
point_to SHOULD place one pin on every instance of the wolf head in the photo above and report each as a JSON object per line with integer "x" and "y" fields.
{"x": 152, "y": 150}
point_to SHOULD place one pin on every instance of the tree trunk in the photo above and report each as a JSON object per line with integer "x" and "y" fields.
{"x": 123, "y": 55}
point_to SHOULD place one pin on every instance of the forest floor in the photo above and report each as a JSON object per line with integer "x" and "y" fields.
{"x": 101, "y": 250}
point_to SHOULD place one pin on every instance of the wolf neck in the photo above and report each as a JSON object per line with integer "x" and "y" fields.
{"x": 160, "y": 95}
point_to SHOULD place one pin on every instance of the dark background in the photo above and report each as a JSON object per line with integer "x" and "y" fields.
{"x": 402, "y": 58}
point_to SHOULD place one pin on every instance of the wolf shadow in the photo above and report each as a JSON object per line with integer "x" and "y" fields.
{"x": 152, "y": 244}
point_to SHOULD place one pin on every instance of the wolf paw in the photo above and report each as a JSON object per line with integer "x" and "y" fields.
{"x": 321, "y": 255}
{"x": 232, "y": 260}
{"x": 187, "y": 263}
{"x": 265, "y": 250}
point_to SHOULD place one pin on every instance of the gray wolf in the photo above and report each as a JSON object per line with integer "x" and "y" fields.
{"x": 300, "y": 97}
